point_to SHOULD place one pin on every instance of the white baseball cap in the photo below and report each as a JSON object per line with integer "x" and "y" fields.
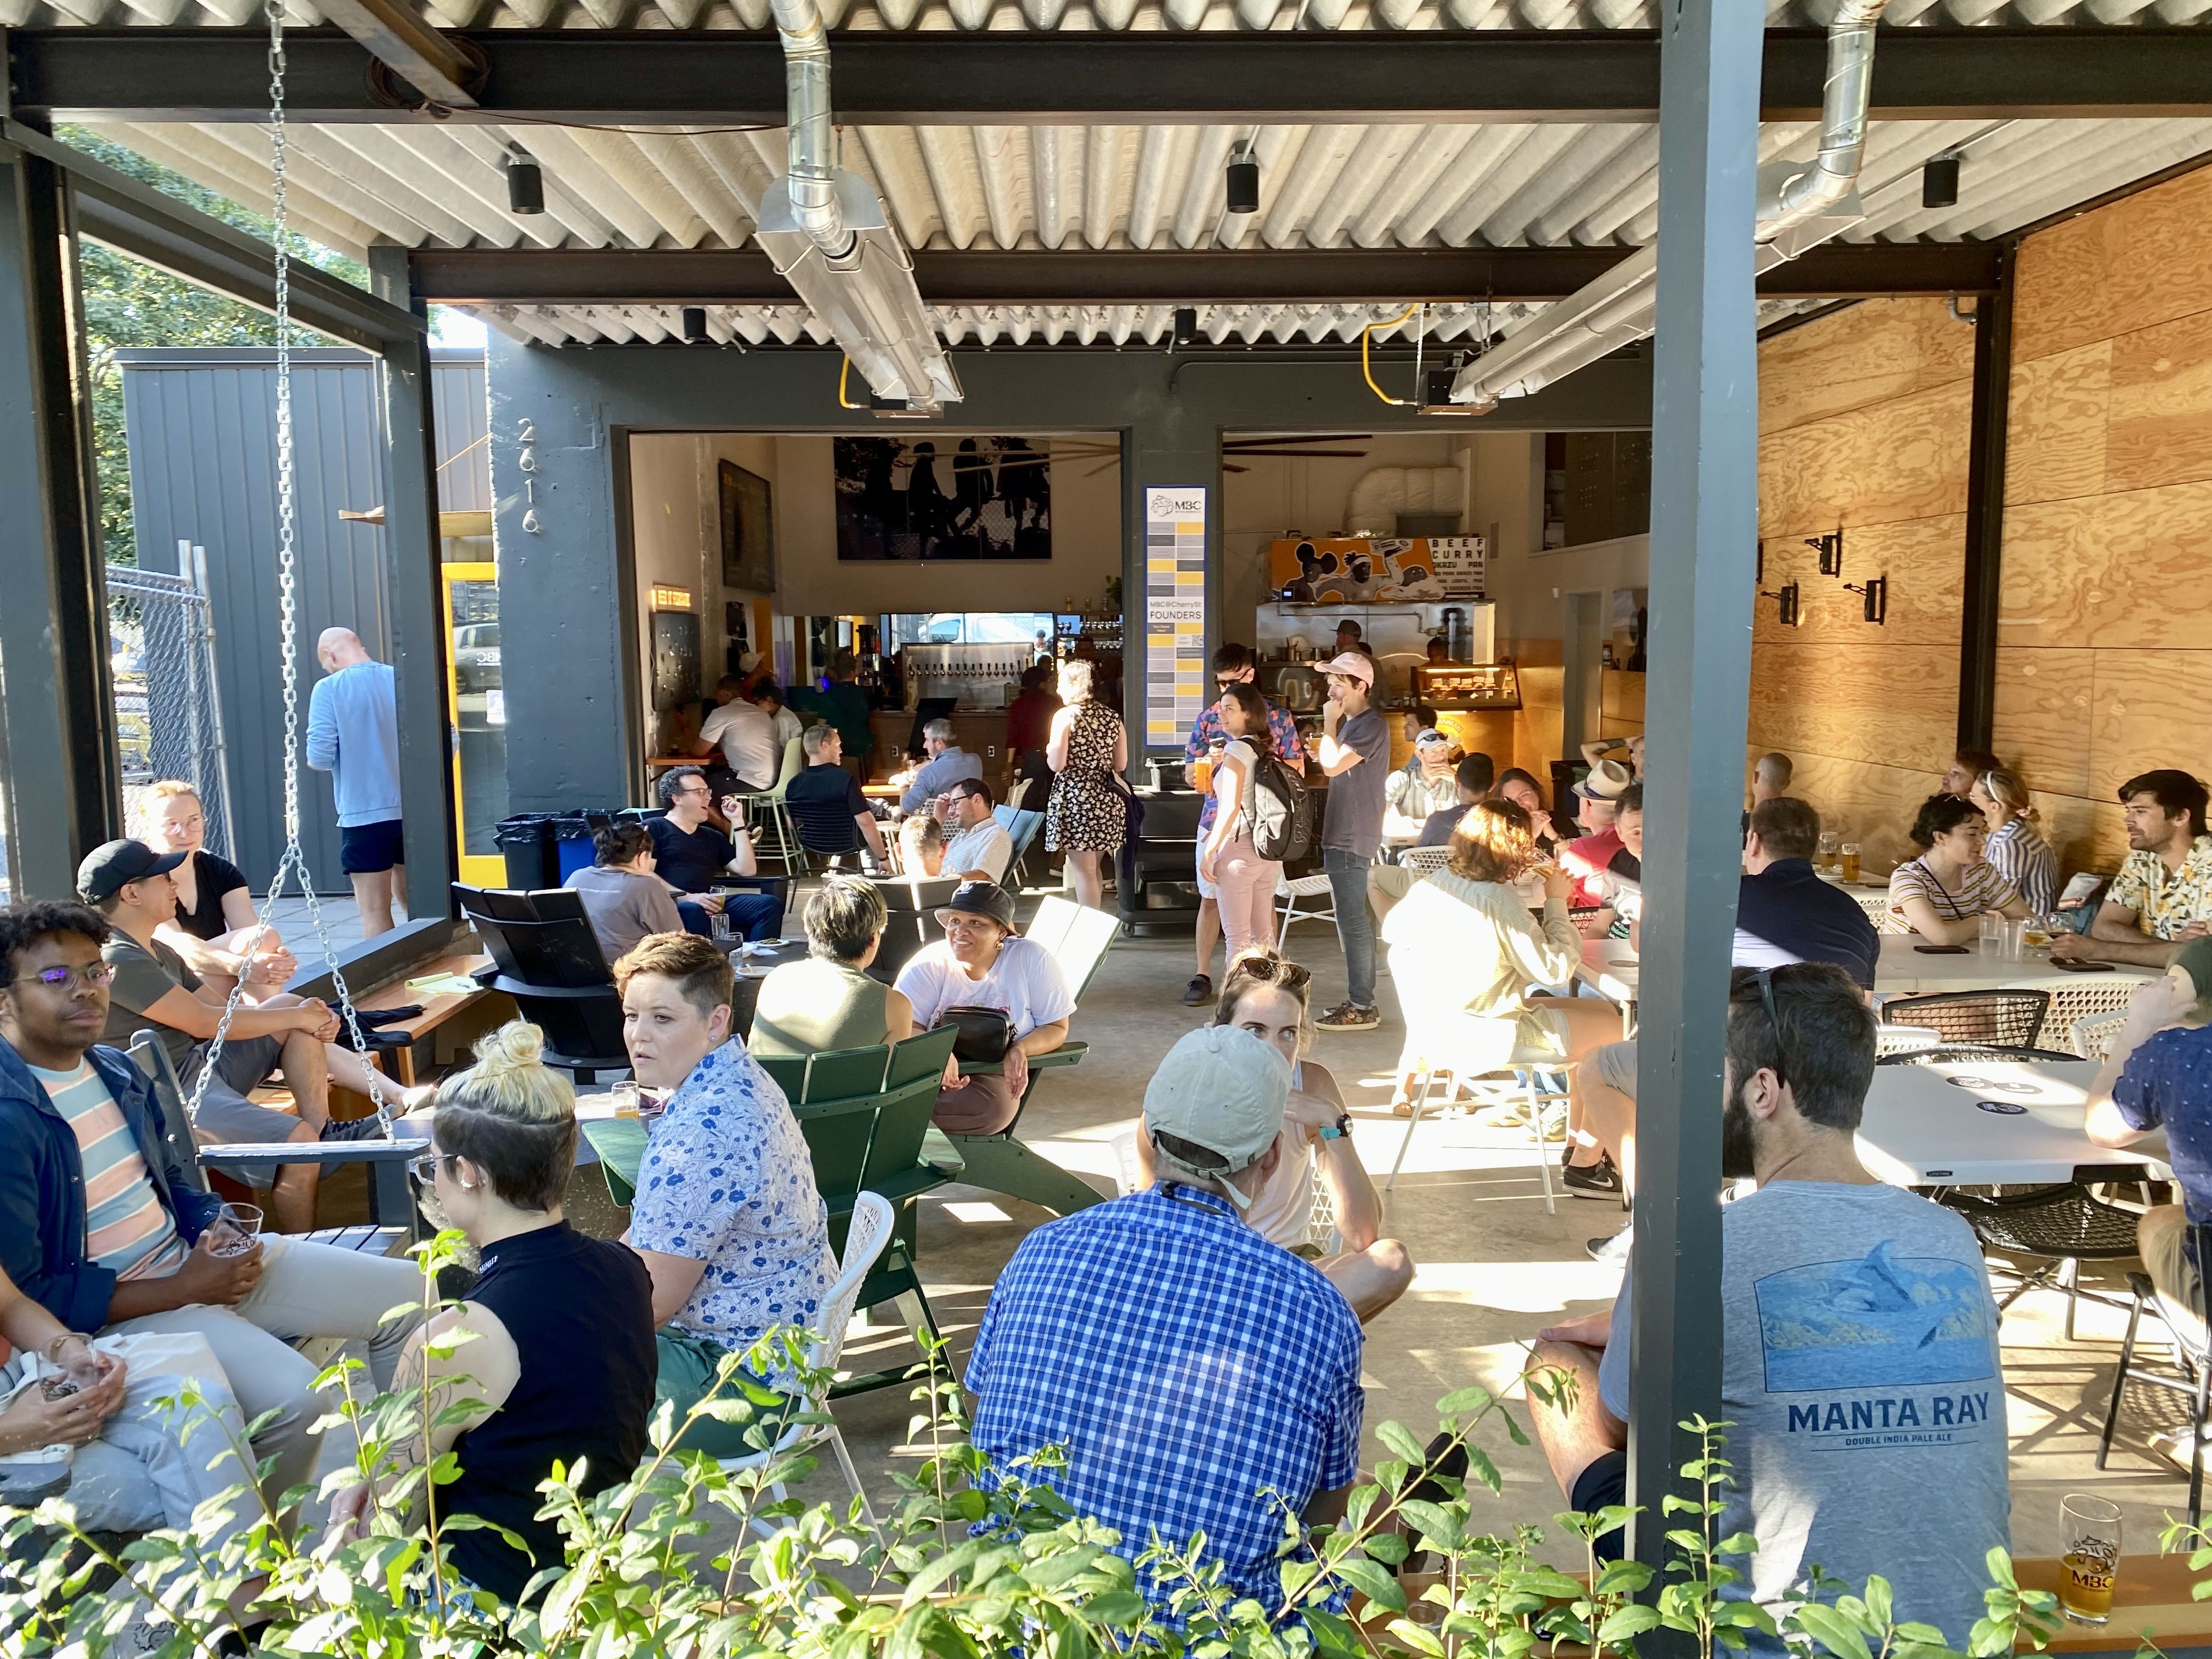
{"x": 1219, "y": 1095}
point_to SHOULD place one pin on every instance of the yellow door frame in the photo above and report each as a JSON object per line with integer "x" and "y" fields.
{"x": 476, "y": 869}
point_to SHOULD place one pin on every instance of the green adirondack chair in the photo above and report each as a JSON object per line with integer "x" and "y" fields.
{"x": 863, "y": 1113}
{"x": 1078, "y": 938}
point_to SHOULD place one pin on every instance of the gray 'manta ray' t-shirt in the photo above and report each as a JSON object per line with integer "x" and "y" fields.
{"x": 1861, "y": 1370}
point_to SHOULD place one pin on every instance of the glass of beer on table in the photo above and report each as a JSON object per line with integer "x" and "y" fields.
{"x": 2090, "y": 1536}
{"x": 1827, "y": 857}
{"x": 1848, "y": 853}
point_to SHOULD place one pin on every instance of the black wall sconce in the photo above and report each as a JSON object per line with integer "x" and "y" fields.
{"x": 1876, "y": 595}
{"x": 1786, "y": 604}
{"x": 1830, "y": 549}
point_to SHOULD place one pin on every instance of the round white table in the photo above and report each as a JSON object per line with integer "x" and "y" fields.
{"x": 1983, "y": 1122}
{"x": 1906, "y": 969}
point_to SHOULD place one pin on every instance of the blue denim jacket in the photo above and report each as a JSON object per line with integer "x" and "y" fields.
{"x": 43, "y": 1244}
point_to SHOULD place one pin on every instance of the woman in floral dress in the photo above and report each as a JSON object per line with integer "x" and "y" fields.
{"x": 1087, "y": 816}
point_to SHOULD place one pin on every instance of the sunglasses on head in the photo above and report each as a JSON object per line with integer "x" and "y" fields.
{"x": 1774, "y": 1021}
{"x": 1270, "y": 971}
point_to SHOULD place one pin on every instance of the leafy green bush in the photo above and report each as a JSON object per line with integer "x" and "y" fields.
{"x": 971, "y": 1562}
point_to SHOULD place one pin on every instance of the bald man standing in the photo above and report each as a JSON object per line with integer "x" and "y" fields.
{"x": 353, "y": 733}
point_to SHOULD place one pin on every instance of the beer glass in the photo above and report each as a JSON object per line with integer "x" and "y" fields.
{"x": 234, "y": 1229}
{"x": 1827, "y": 856}
{"x": 2090, "y": 1536}
{"x": 1848, "y": 853}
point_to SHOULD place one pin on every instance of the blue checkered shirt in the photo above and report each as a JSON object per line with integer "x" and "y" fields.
{"x": 1206, "y": 731}
{"x": 1188, "y": 1367}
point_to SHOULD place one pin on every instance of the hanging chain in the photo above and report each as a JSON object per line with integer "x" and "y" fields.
{"x": 288, "y": 610}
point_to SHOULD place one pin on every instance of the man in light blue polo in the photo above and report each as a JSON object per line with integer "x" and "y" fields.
{"x": 353, "y": 733}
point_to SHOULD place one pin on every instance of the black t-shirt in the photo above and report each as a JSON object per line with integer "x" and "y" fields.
{"x": 579, "y": 1313}
{"x": 217, "y": 878}
{"x": 689, "y": 861}
{"x": 1626, "y": 864}
{"x": 824, "y": 801}
{"x": 1790, "y": 908}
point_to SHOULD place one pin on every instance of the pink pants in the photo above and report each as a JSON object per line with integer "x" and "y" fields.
{"x": 1246, "y": 885}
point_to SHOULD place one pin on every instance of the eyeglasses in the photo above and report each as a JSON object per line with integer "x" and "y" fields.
{"x": 61, "y": 979}
{"x": 425, "y": 1168}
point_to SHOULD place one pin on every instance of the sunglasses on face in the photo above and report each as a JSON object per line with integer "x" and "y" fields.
{"x": 425, "y": 1168}
{"x": 61, "y": 979}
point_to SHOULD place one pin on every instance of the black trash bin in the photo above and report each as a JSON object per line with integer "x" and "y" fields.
{"x": 525, "y": 840}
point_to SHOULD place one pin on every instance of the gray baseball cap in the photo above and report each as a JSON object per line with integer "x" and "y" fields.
{"x": 1220, "y": 1094}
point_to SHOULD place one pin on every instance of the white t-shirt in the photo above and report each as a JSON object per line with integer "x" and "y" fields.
{"x": 1241, "y": 751}
{"x": 986, "y": 846}
{"x": 747, "y": 735}
{"x": 1282, "y": 1213}
{"x": 1024, "y": 983}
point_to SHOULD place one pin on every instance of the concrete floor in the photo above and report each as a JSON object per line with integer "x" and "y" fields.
{"x": 1493, "y": 1268}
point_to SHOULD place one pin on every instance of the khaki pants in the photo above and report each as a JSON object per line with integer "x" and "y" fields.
{"x": 2163, "y": 1236}
{"x": 305, "y": 1291}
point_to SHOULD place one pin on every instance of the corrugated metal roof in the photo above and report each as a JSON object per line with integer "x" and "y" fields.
{"x": 1108, "y": 15}
{"x": 1072, "y": 188}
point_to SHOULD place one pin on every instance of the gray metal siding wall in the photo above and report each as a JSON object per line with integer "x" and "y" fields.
{"x": 462, "y": 414}
{"x": 203, "y": 440}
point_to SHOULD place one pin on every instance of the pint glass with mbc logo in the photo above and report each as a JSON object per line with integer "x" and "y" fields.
{"x": 2090, "y": 1533}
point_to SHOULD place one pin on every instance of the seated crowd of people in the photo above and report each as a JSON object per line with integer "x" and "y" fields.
{"x": 1227, "y": 1295}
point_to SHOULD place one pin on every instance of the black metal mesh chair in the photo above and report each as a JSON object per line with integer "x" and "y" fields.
{"x": 2192, "y": 1364}
{"x": 2061, "y": 1226}
{"x": 1994, "y": 1019}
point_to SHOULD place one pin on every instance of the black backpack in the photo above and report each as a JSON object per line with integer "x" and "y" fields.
{"x": 1279, "y": 815}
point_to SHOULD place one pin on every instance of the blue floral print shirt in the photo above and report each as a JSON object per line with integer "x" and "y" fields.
{"x": 727, "y": 1181}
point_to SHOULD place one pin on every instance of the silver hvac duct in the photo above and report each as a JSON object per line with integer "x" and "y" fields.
{"x": 1801, "y": 205}
{"x": 828, "y": 235}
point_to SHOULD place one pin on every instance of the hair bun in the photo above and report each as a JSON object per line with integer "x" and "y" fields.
{"x": 516, "y": 1046}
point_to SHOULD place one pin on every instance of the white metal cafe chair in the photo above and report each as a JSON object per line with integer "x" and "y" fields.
{"x": 869, "y": 1231}
{"x": 2074, "y": 1002}
{"x": 1905, "y": 1040}
{"x": 2092, "y": 1038}
{"x": 1529, "y": 1087}
{"x": 1424, "y": 859}
{"x": 1293, "y": 891}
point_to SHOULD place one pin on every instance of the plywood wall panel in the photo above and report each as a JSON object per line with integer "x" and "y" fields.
{"x": 2088, "y": 835}
{"x": 1622, "y": 698}
{"x": 1924, "y": 559}
{"x": 1872, "y": 353}
{"x": 1895, "y": 705}
{"x": 2148, "y": 709}
{"x": 2160, "y": 421}
{"x": 1866, "y": 802}
{"x": 2043, "y": 709}
{"x": 1537, "y": 735}
{"x": 2127, "y": 570}
{"x": 2055, "y": 442}
{"x": 2133, "y": 264}
{"x": 1902, "y": 460}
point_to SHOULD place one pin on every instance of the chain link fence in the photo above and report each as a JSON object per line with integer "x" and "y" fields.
{"x": 168, "y": 714}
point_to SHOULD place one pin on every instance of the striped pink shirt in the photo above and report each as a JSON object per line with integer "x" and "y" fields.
{"x": 131, "y": 1234}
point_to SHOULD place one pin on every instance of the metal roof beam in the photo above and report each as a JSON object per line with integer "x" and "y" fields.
{"x": 930, "y": 78}
{"x": 141, "y": 221}
{"x": 1287, "y": 277}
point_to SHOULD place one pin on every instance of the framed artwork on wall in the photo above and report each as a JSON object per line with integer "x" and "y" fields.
{"x": 943, "y": 498}
{"x": 748, "y": 529}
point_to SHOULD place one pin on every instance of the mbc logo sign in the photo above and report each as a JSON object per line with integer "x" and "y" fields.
{"x": 1166, "y": 506}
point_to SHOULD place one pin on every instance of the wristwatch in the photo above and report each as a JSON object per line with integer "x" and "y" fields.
{"x": 1340, "y": 1130}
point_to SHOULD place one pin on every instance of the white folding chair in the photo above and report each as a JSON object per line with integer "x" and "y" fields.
{"x": 1504, "y": 1085}
{"x": 1293, "y": 890}
{"x": 1423, "y": 858}
{"x": 869, "y": 1231}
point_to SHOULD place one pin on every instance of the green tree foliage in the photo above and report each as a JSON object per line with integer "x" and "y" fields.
{"x": 127, "y": 303}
